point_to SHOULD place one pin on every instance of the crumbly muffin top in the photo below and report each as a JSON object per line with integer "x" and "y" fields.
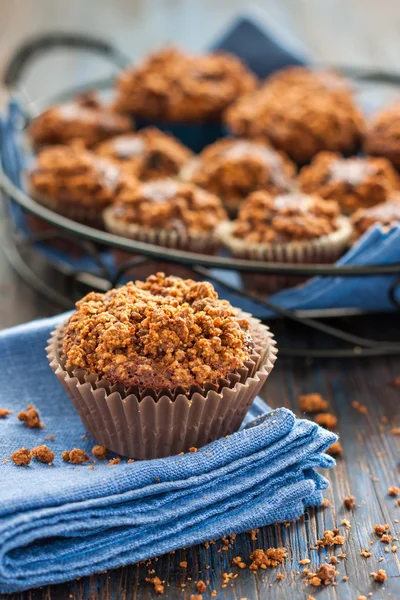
{"x": 169, "y": 204}
{"x": 163, "y": 333}
{"x": 232, "y": 169}
{"x": 85, "y": 119}
{"x": 76, "y": 176}
{"x": 148, "y": 154}
{"x": 383, "y": 134}
{"x": 354, "y": 182}
{"x": 291, "y": 217}
{"x": 171, "y": 85}
{"x": 387, "y": 213}
{"x": 312, "y": 79}
{"x": 299, "y": 119}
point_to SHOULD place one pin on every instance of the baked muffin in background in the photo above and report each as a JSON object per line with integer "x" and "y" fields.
{"x": 300, "y": 112}
{"x": 383, "y": 134}
{"x": 147, "y": 154}
{"x": 387, "y": 214}
{"x": 290, "y": 228}
{"x": 171, "y": 85}
{"x": 85, "y": 119}
{"x": 171, "y": 365}
{"x": 168, "y": 213}
{"x": 233, "y": 168}
{"x": 75, "y": 183}
{"x": 356, "y": 182}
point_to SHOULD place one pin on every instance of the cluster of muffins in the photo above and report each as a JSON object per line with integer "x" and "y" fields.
{"x": 288, "y": 185}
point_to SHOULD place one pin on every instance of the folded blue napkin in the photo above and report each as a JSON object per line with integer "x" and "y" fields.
{"x": 64, "y": 521}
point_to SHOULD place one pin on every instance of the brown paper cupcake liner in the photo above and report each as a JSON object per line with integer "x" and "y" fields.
{"x": 191, "y": 242}
{"x": 324, "y": 250}
{"x": 146, "y": 424}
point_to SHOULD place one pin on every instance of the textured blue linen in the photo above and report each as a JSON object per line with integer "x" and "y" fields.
{"x": 65, "y": 521}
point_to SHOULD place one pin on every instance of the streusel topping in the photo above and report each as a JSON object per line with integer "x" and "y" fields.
{"x": 232, "y": 169}
{"x": 171, "y": 85}
{"x": 75, "y": 176}
{"x": 291, "y": 217}
{"x": 169, "y": 204}
{"x": 148, "y": 154}
{"x": 387, "y": 213}
{"x": 165, "y": 332}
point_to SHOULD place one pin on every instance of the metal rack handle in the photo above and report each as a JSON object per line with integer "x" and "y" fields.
{"x": 34, "y": 47}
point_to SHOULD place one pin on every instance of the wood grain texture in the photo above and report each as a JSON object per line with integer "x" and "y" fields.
{"x": 361, "y": 32}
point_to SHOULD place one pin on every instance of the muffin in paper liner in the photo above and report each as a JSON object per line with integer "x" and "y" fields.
{"x": 323, "y": 250}
{"x": 145, "y": 424}
{"x": 208, "y": 243}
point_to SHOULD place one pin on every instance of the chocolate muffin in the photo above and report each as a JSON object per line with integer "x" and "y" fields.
{"x": 167, "y": 213}
{"x": 75, "y": 183}
{"x": 383, "y": 134}
{"x": 300, "y": 112}
{"x": 170, "y": 365}
{"x": 387, "y": 214}
{"x": 232, "y": 169}
{"x": 84, "y": 119}
{"x": 148, "y": 154}
{"x": 354, "y": 182}
{"x": 174, "y": 86}
{"x": 291, "y": 228}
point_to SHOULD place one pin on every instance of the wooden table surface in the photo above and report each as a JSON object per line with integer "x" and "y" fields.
{"x": 352, "y": 32}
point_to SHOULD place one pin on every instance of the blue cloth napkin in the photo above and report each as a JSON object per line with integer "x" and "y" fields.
{"x": 65, "y": 521}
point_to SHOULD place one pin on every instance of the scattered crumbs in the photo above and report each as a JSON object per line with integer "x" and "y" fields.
{"x": 130, "y": 460}
{"x": 312, "y": 403}
{"x": 386, "y": 538}
{"x": 30, "y": 417}
{"x": 349, "y": 502}
{"x": 272, "y": 557}
{"x": 304, "y": 561}
{"x": 361, "y": 408}
{"x": 239, "y": 562}
{"x": 91, "y": 467}
{"x": 362, "y": 598}
{"x": 381, "y": 529}
{"x": 346, "y": 523}
{"x": 4, "y": 460}
{"x": 114, "y": 461}
{"x": 193, "y": 449}
{"x": 4, "y": 413}
{"x": 334, "y": 560}
{"x": 196, "y": 597}
{"x": 100, "y": 452}
{"x": 253, "y": 534}
{"x": 84, "y": 436}
{"x": 393, "y": 490}
{"x": 43, "y": 454}
{"x": 183, "y": 564}
{"x": 394, "y": 549}
{"x": 398, "y": 502}
{"x": 75, "y": 456}
{"x": 214, "y": 593}
{"x": 315, "y": 581}
{"x": 327, "y": 420}
{"x": 379, "y": 576}
{"x": 21, "y": 457}
{"x": 387, "y": 549}
{"x": 201, "y": 587}
{"x": 50, "y": 437}
{"x": 336, "y": 449}
{"x": 345, "y": 578}
{"x": 325, "y": 503}
{"x": 280, "y": 576}
{"x": 331, "y": 538}
{"x": 310, "y": 598}
{"x": 157, "y": 583}
{"x": 376, "y": 479}
{"x": 366, "y": 553}
{"x": 395, "y": 382}
{"x": 395, "y": 431}
{"x": 326, "y": 573}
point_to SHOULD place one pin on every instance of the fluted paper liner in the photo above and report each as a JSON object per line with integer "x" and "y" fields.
{"x": 326, "y": 249}
{"x": 146, "y": 424}
{"x": 169, "y": 238}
